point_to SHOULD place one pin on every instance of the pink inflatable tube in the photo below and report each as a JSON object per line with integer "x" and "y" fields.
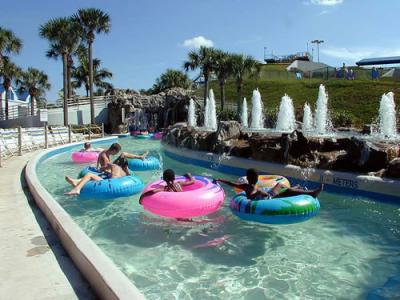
{"x": 82, "y": 157}
{"x": 157, "y": 136}
{"x": 199, "y": 199}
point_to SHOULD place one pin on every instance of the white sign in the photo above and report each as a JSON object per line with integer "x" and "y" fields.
{"x": 43, "y": 115}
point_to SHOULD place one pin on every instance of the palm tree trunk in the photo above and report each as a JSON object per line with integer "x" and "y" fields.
{"x": 222, "y": 88}
{"x": 6, "y": 103}
{"x": 239, "y": 96}
{"x": 92, "y": 112}
{"x": 65, "y": 87}
{"x": 32, "y": 105}
{"x": 205, "y": 88}
{"x": 69, "y": 71}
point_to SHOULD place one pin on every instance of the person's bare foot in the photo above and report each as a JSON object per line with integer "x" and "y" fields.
{"x": 73, "y": 192}
{"x": 71, "y": 181}
{"x": 316, "y": 192}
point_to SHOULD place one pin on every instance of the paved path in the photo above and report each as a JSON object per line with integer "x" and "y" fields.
{"x": 33, "y": 264}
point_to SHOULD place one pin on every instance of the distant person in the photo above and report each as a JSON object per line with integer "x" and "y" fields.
{"x": 87, "y": 147}
{"x": 374, "y": 73}
{"x": 351, "y": 74}
{"x": 279, "y": 190}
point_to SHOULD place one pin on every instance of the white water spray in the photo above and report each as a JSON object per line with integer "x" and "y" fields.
{"x": 257, "y": 118}
{"x": 322, "y": 122}
{"x": 387, "y": 116}
{"x": 244, "y": 115}
{"x": 307, "y": 118}
{"x": 192, "y": 114}
{"x": 210, "y": 113}
{"x": 286, "y": 119}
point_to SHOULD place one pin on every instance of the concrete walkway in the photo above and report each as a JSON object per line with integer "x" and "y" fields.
{"x": 33, "y": 264}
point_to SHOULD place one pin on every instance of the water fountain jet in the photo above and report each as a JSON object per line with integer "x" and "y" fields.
{"x": 257, "y": 118}
{"x": 192, "y": 114}
{"x": 307, "y": 118}
{"x": 244, "y": 114}
{"x": 286, "y": 119}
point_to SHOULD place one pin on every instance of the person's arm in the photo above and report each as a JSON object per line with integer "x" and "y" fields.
{"x": 105, "y": 162}
{"x": 232, "y": 184}
{"x": 130, "y": 155}
{"x": 149, "y": 193}
{"x": 187, "y": 182}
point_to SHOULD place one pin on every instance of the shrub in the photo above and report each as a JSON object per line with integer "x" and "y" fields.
{"x": 227, "y": 115}
{"x": 342, "y": 119}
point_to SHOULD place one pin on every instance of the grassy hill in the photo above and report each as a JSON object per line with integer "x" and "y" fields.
{"x": 357, "y": 100}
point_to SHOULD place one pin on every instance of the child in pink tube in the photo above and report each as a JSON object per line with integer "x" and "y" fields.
{"x": 172, "y": 185}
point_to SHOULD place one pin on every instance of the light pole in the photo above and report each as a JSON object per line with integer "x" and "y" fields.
{"x": 265, "y": 53}
{"x": 317, "y": 42}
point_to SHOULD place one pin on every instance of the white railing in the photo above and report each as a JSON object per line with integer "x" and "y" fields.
{"x": 77, "y": 101}
{"x": 16, "y": 141}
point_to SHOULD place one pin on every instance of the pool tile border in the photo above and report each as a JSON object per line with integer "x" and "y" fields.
{"x": 334, "y": 181}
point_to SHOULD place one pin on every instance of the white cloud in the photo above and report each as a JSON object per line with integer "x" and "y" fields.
{"x": 324, "y": 12}
{"x": 197, "y": 42}
{"x": 358, "y": 53}
{"x": 327, "y": 2}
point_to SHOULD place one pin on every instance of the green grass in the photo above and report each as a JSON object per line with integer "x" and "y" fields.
{"x": 358, "y": 98}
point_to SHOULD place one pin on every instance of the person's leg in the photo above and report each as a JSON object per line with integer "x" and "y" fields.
{"x": 130, "y": 155}
{"x": 300, "y": 191}
{"x": 71, "y": 181}
{"x": 88, "y": 177}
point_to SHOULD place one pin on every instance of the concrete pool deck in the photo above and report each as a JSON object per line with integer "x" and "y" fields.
{"x": 34, "y": 264}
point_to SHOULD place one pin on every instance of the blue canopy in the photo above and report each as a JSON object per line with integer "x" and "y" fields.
{"x": 379, "y": 61}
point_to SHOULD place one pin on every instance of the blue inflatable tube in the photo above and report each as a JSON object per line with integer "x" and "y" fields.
{"x": 275, "y": 211}
{"x": 149, "y": 163}
{"x": 110, "y": 188}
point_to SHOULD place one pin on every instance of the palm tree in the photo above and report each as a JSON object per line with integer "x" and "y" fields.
{"x": 36, "y": 83}
{"x": 92, "y": 21}
{"x": 243, "y": 66}
{"x": 170, "y": 79}
{"x": 202, "y": 58}
{"x": 10, "y": 73}
{"x": 9, "y": 44}
{"x": 63, "y": 35}
{"x": 223, "y": 69}
{"x": 81, "y": 73}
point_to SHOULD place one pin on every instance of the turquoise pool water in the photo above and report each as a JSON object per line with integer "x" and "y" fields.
{"x": 350, "y": 249}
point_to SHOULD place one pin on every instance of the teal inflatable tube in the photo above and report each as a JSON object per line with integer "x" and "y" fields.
{"x": 275, "y": 211}
{"x": 143, "y": 136}
{"x": 110, "y": 188}
{"x": 149, "y": 163}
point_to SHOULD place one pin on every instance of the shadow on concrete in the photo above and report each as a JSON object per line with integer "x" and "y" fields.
{"x": 79, "y": 284}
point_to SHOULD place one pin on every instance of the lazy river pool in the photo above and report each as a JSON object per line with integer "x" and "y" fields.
{"x": 349, "y": 251}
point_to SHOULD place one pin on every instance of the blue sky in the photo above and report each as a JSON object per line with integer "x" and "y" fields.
{"x": 148, "y": 36}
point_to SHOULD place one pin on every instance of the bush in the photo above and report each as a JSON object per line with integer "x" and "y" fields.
{"x": 271, "y": 117}
{"x": 342, "y": 119}
{"x": 227, "y": 115}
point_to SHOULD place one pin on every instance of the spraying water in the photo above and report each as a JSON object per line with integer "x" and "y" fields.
{"x": 244, "y": 115}
{"x": 210, "y": 113}
{"x": 387, "y": 116}
{"x": 307, "y": 118}
{"x": 321, "y": 113}
{"x": 286, "y": 119}
{"x": 257, "y": 118}
{"x": 192, "y": 114}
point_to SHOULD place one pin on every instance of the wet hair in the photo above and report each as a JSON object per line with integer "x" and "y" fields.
{"x": 86, "y": 145}
{"x": 123, "y": 163}
{"x": 169, "y": 175}
{"x": 115, "y": 148}
{"x": 252, "y": 176}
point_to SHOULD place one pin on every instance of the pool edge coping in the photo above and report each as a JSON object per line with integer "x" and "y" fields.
{"x": 103, "y": 275}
